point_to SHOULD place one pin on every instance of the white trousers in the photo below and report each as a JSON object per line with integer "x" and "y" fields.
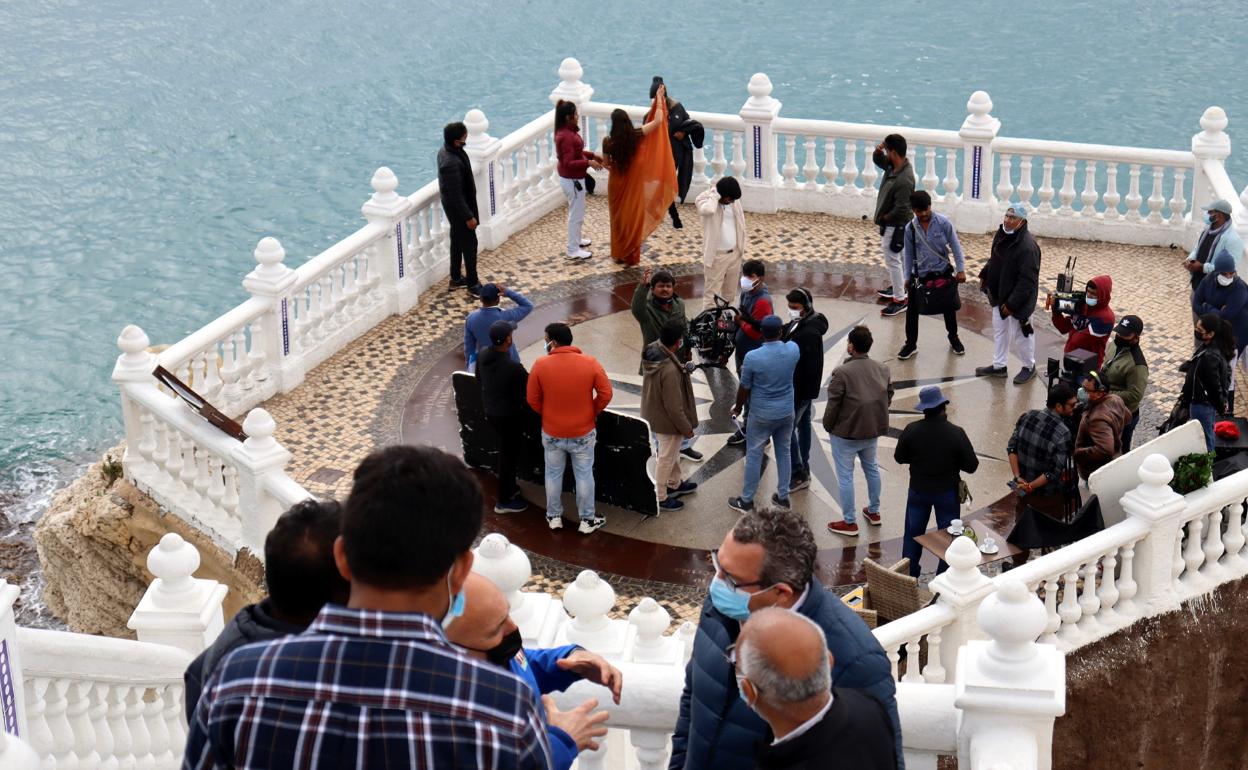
{"x": 1007, "y": 332}
{"x": 576, "y": 211}
{"x": 721, "y": 277}
{"x": 892, "y": 261}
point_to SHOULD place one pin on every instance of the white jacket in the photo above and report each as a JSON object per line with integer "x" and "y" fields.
{"x": 712, "y": 218}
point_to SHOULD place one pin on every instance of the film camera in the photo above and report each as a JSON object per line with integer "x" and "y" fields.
{"x": 711, "y": 333}
{"x": 1066, "y": 300}
{"x": 1072, "y": 368}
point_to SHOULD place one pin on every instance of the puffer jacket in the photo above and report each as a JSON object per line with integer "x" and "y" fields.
{"x": 808, "y": 375}
{"x": 717, "y": 730}
{"x": 666, "y": 393}
{"x": 1012, "y": 274}
{"x": 1230, "y": 303}
{"x": 253, "y": 623}
{"x": 1090, "y": 327}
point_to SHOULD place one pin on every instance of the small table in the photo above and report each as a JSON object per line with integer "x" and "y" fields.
{"x": 937, "y": 541}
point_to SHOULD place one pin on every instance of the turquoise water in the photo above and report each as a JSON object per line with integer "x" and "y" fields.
{"x": 146, "y": 146}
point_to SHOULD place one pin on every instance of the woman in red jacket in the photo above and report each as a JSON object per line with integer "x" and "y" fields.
{"x": 1092, "y": 323}
{"x": 574, "y": 162}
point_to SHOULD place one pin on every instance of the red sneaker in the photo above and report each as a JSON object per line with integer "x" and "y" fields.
{"x": 874, "y": 518}
{"x": 843, "y": 528}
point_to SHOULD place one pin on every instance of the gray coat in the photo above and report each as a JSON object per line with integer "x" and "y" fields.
{"x": 859, "y": 393}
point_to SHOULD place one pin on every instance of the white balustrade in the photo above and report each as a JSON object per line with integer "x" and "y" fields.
{"x": 178, "y": 609}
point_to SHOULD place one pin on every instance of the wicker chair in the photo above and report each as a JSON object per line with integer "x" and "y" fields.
{"x": 891, "y": 592}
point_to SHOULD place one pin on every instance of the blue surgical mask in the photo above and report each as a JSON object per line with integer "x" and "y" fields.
{"x": 1082, "y": 395}
{"x": 457, "y": 605}
{"x": 733, "y": 603}
{"x": 741, "y": 691}
{"x": 1090, "y": 301}
{"x": 1209, "y": 219}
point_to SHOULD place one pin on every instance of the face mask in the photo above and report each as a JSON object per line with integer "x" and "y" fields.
{"x": 457, "y": 605}
{"x": 1209, "y": 219}
{"x": 1225, "y": 280}
{"x": 795, "y": 314}
{"x": 1090, "y": 301}
{"x": 741, "y": 692}
{"x": 746, "y": 284}
{"x": 1118, "y": 340}
{"x": 506, "y": 651}
{"x": 1083, "y": 395}
{"x": 733, "y": 603}
{"x": 548, "y": 345}
{"x": 1007, "y": 230}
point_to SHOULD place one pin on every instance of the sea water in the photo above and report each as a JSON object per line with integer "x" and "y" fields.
{"x": 146, "y": 146}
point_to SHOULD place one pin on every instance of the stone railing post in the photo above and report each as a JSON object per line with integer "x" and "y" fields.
{"x": 259, "y": 457}
{"x": 271, "y": 280}
{"x": 134, "y": 365}
{"x": 12, "y": 692}
{"x": 482, "y": 149}
{"x": 1010, "y": 689}
{"x": 571, "y": 88}
{"x": 16, "y": 754}
{"x": 650, "y": 621}
{"x": 962, "y": 588}
{"x": 758, "y": 188}
{"x": 588, "y": 599}
{"x": 399, "y": 289}
{"x": 1161, "y": 508}
{"x": 178, "y": 609}
{"x": 976, "y": 211}
{"x": 1212, "y": 143}
{"x": 508, "y": 567}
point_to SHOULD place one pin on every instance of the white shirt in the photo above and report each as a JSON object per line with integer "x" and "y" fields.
{"x": 727, "y": 228}
{"x": 809, "y": 723}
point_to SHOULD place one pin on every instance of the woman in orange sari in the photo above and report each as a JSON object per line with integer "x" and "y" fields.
{"x": 643, "y": 178}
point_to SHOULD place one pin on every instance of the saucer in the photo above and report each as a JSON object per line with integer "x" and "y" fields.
{"x": 956, "y": 534}
{"x": 984, "y": 548}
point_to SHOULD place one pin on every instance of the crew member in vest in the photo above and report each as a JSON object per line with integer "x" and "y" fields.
{"x": 767, "y": 559}
{"x": 1011, "y": 279}
{"x": 477, "y": 326}
{"x": 767, "y": 385}
{"x": 723, "y": 239}
{"x": 892, "y": 212}
{"x": 1219, "y": 234}
{"x": 1126, "y": 372}
{"x": 755, "y": 305}
{"x": 929, "y": 240}
{"x": 574, "y": 163}
{"x": 458, "y": 191}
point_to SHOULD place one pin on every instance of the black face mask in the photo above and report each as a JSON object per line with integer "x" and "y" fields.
{"x": 1121, "y": 342}
{"x": 506, "y": 650}
{"x": 664, "y": 303}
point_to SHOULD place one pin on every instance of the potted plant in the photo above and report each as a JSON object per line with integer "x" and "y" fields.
{"x": 1192, "y": 471}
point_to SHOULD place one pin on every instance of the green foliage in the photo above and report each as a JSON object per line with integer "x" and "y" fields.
{"x": 111, "y": 469}
{"x": 1192, "y": 471}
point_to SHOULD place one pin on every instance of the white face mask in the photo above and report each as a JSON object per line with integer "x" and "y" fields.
{"x": 1007, "y": 230}
{"x": 746, "y": 284}
{"x": 795, "y": 314}
{"x": 1225, "y": 280}
{"x": 549, "y": 346}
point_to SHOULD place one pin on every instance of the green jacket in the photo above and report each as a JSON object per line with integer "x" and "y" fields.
{"x": 892, "y": 205}
{"x": 1126, "y": 373}
{"x": 651, "y": 317}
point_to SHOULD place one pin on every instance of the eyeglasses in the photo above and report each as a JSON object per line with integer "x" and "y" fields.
{"x": 730, "y": 654}
{"x": 732, "y": 583}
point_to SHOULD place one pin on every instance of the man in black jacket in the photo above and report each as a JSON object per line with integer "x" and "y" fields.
{"x": 302, "y": 577}
{"x": 1011, "y": 279}
{"x": 936, "y": 451}
{"x": 503, "y": 384}
{"x": 458, "y": 189}
{"x": 806, "y": 328}
{"x": 783, "y": 671}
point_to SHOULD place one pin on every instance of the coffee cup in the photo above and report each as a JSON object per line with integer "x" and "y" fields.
{"x": 955, "y": 527}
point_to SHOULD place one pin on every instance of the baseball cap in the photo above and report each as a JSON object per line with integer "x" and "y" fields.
{"x": 772, "y": 324}
{"x": 499, "y": 330}
{"x": 1130, "y": 324}
{"x": 489, "y": 292}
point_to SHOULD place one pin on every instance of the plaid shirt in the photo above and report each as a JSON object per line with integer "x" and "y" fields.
{"x": 363, "y": 688}
{"x": 1042, "y": 442}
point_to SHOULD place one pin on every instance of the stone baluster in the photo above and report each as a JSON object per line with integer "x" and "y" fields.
{"x": 685, "y": 634}
{"x": 949, "y": 185}
{"x": 16, "y": 754}
{"x": 257, "y": 459}
{"x": 976, "y": 210}
{"x": 1133, "y": 198}
{"x": 1089, "y": 601}
{"x": 738, "y": 155}
{"x": 399, "y": 290}
{"x": 422, "y": 221}
{"x": 178, "y": 609}
{"x": 1213, "y": 547}
{"x": 961, "y": 588}
{"x": 77, "y": 713}
{"x": 141, "y": 739}
{"x": 701, "y": 166}
{"x": 588, "y": 599}
{"x": 1053, "y": 621}
{"x": 332, "y": 280}
{"x": 870, "y": 172}
{"x": 190, "y": 468}
{"x": 1067, "y": 193}
{"x": 650, "y": 746}
{"x": 810, "y": 171}
{"x": 1126, "y": 585}
{"x": 56, "y": 705}
{"x": 173, "y": 466}
{"x": 913, "y": 655}
{"x": 718, "y": 162}
{"x": 593, "y": 760}
{"x": 212, "y": 373}
{"x": 893, "y": 651}
{"x": 203, "y": 475}
{"x": 118, "y": 727}
{"x": 175, "y": 722}
{"x": 1111, "y": 198}
{"x": 650, "y": 621}
{"x": 272, "y": 281}
{"x": 1160, "y": 507}
{"x": 830, "y": 170}
{"x": 850, "y": 170}
{"x": 160, "y": 455}
{"x": 760, "y": 180}
{"x": 350, "y": 285}
{"x": 134, "y": 365}
{"x": 1010, "y": 689}
{"x": 1193, "y": 551}
{"x": 790, "y": 161}
{"x": 36, "y": 713}
{"x": 216, "y": 483}
{"x": 1046, "y": 187}
{"x": 257, "y": 372}
{"x": 1178, "y": 203}
{"x": 930, "y": 177}
{"x": 934, "y": 671}
{"x": 147, "y": 433}
{"x": 1005, "y": 188}
{"x": 1156, "y": 199}
{"x": 229, "y": 496}
{"x": 1178, "y": 563}
{"x": 1069, "y": 609}
{"x": 1234, "y": 538}
{"x": 1211, "y": 144}
{"x": 160, "y": 744}
{"x": 483, "y": 150}
{"x": 1109, "y": 592}
{"x": 230, "y": 390}
{"x": 1025, "y": 190}
{"x": 1089, "y": 197}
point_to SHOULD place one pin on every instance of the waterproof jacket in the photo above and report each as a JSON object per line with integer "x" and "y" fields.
{"x": 666, "y": 392}
{"x": 859, "y": 392}
{"x": 651, "y": 316}
{"x": 1099, "y": 439}
{"x": 717, "y": 731}
{"x": 1126, "y": 374}
{"x": 1090, "y": 327}
{"x": 808, "y": 334}
{"x": 253, "y": 623}
{"x": 1225, "y": 239}
{"x": 456, "y": 186}
{"x": 892, "y": 204}
{"x": 1208, "y": 378}
{"x": 1230, "y": 303}
{"x": 1012, "y": 274}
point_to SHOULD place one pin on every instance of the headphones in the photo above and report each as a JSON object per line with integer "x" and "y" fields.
{"x": 808, "y": 301}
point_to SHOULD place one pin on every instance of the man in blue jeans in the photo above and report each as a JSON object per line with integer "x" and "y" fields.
{"x": 859, "y": 392}
{"x": 767, "y": 385}
{"x": 936, "y": 451}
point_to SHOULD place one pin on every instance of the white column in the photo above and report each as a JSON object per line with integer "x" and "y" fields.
{"x": 962, "y": 588}
{"x": 271, "y": 280}
{"x": 758, "y": 186}
{"x": 975, "y": 211}
{"x": 12, "y": 692}
{"x": 259, "y": 458}
{"x": 178, "y": 609}
{"x": 398, "y": 281}
{"x": 134, "y": 365}
{"x": 1160, "y": 507}
{"x": 588, "y": 599}
{"x": 649, "y": 622}
{"x": 508, "y": 567}
{"x": 1010, "y": 689}
{"x": 482, "y": 149}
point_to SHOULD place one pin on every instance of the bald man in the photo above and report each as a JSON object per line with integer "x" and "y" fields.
{"x": 784, "y": 673}
{"x": 487, "y": 632}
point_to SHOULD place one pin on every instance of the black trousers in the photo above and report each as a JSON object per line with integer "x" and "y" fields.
{"x": 510, "y": 440}
{"x": 463, "y": 250}
{"x": 912, "y": 324}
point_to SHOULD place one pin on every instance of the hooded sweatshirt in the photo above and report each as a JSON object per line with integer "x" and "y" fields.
{"x": 666, "y": 392}
{"x": 808, "y": 374}
{"x": 1090, "y": 327}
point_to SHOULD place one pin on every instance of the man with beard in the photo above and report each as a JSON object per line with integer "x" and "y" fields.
{"x": 1011, "y": 279}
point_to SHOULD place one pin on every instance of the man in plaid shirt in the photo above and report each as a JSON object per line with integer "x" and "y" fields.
{"x": 376, "y": 683}
{"x": 1041, "y": 445}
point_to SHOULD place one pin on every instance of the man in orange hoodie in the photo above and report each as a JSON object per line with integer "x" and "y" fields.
{"x": 568, "y": 389}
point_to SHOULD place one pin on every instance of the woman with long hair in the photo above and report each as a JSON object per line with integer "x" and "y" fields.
{"x": 643, "y": 178}
{"x": 574, "y": 163}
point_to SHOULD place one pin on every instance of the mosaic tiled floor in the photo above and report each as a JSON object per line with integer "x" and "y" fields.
{"x": 353, "y": 402}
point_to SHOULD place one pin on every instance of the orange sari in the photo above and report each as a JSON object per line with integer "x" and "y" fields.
{"x": 638, "y": 198}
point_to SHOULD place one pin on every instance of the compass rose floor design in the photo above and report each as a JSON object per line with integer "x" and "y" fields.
{"x": 672, "y": 547}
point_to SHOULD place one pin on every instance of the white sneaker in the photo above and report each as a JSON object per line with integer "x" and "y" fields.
{"x": 555, "y": 522}
{"x": 586, "y": 242}
{"x": 591, "y": 525}
{"x": 581, "y": 254}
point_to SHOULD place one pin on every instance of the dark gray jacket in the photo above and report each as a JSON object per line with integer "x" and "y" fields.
{"x": 892, "y": 204}
{"x": 253, "y": 623}
{"x": 1012, "y": 275}
{"x": 457, "y": 186}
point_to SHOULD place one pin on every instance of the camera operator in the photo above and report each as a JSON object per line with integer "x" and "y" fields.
{"x": 1126, "y": 372}
{"x": 1089, "y": 325}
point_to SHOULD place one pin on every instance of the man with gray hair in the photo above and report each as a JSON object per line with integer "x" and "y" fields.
{"x": 784, "y": 673}
{"x": 766, "y": 560}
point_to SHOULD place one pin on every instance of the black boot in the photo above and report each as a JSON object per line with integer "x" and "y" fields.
{"x": 676, "y": 223}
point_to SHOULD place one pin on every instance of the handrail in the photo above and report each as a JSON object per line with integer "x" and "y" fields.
{"x": 178, "y": 415}
{"x": 66, "y": 655}
{"x": 904, "y": 629}
{"x": 718, "y": 121}
{"x": 286, "y": 490}
{"x": 1079, "y": 552}
{"x": 179, "y": 352}
{"x": 1220, "y": 181}
{"x": 1003, "y": 145}
{"x": 931, "y": 137}
{"x": 322, "y": 263}
{"x": 1219, "y": 494}
{"x": 544, "y": 123}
